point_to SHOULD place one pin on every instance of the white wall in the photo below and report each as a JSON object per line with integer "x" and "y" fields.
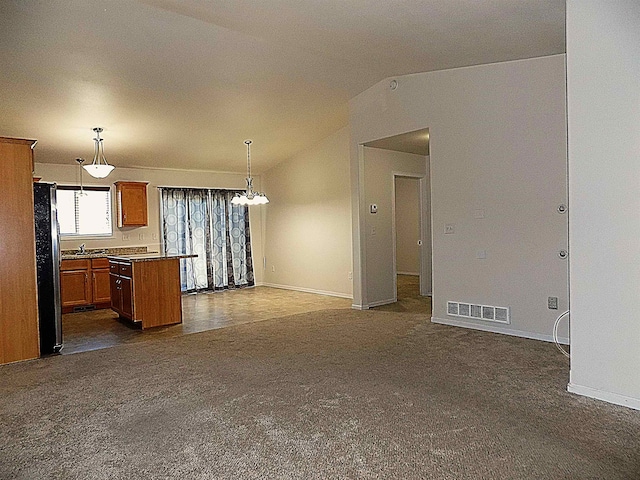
{"x": 69, "y": 175}
{"x": 379, "y": 168}
{"x": 498, "y": 146}
{"x": 407, "y": 225}
{"x": 603, "y": 63}
{"x": 308, "y": 219}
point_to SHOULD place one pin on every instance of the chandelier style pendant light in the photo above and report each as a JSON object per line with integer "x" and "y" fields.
{"x": 249, "y": 197}
{"x": 99, "y": 168}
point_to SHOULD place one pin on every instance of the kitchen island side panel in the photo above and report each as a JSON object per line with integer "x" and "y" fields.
{"x": 157, "y": 296}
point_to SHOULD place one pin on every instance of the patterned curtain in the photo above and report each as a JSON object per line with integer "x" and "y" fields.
{"x": 205, "y": 223}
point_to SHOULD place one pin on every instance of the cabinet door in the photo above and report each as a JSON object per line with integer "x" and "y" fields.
{"x": 132, "y": 204}
{"x": 75, "y": 288}
{"x": 126, "y": 290}
{"x": 116, "y": 296}
{"x": 101, "y": 286}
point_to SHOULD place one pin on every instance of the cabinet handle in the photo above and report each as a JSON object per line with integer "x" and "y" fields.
{"x": 86, "y": 277}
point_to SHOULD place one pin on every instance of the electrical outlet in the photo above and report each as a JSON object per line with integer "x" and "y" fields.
{"x": 126, "y": 236}
{"x": 552, "y": 303}
{"x": 141, "y": 236}
{"x": 449, "y": 228}
{"x": 273, "y": 268}
{"x": 350, "y": 275}
{"x": 154, "y": 236}
{"x": 373, "y": 231}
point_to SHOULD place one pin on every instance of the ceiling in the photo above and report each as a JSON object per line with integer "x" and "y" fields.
{"x": 416, "y": 142}
{"x": 182, "y": 83}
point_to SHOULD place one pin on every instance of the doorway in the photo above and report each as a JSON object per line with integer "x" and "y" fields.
{"x": 411, "y": 231}
{"x": 407, "y": 228}
{"x": 407, "y": 248}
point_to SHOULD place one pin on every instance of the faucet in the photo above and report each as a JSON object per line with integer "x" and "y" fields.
{"x": 81, "y": 249}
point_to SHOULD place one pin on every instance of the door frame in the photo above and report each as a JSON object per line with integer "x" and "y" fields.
{"x": 425, "y": 235}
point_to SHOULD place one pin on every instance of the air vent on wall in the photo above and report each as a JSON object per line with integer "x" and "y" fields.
{"x": 479, "y": 312}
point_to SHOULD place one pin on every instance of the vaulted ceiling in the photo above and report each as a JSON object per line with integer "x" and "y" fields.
{"x": 182, "y": 83}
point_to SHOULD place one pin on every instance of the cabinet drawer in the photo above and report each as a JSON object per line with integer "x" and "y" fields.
{"x": 114, "y": 268}
{"x": 80, "y": 264}
{"x": 101, "y": 262}
{"x": 125, "y": 269}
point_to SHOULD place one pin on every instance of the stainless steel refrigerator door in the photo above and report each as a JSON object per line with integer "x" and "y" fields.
{"x": 55, "y": 243}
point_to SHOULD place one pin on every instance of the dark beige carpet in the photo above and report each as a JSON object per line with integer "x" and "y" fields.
{"x": 334, "y": 394}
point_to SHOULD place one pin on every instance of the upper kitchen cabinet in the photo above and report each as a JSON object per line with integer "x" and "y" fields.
{"x": 18, "y": 280}
{"x": 131, "y": 199}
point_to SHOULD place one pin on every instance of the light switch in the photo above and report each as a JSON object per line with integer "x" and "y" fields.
{"x": 373, "y": 208}
{"x": 373, "y": 231}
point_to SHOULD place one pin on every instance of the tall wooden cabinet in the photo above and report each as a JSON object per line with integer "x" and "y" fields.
{"x": 19, "y": 338}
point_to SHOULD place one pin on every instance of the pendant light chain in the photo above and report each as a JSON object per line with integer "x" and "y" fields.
{"x": 248, "y": 143}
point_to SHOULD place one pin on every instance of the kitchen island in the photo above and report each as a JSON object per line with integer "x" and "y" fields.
{"x": 145, "y": 288}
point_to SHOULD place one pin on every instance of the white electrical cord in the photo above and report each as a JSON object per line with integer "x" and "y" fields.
{"x": 555, "y": 335}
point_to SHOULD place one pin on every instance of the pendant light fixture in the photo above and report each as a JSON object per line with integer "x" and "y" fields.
{"x": 99, "y": 168}
{"x": 249, "y": 197}
{"x": 80, "y": 162}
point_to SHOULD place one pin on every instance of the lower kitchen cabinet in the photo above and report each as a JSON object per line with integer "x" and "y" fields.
{"x": 84, "y": 283}
{"x": 146, "y": 292}
{"x": 100, "y": 282}
{"x": 74, "y": 284}
{"x": 121, "y": 289}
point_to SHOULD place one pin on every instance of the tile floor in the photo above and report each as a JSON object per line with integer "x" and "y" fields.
{"x": 98, "y": 329}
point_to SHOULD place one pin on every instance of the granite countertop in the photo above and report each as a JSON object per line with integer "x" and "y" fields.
{"x": 102, "y": 252}
{"x": 147, "y": 257}
{"x": 81, "y": 256}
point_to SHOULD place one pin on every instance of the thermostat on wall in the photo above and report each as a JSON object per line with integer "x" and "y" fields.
{"x": 373, "y": 208}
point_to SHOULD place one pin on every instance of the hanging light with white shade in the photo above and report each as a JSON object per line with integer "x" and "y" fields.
{"x": 99, "y": 168}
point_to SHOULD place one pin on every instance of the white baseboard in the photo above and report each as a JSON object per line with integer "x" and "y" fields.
{"x": 307, "y": 290}
{"x": 359, "y": 307}
{"x": 381, "y": 302}
{"x": 413, "y": 274}
{"x": 609, "y": 397}
{"x": 505, "y": 330}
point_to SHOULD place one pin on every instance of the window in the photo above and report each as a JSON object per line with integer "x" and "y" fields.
{"x": 86, "y": 212}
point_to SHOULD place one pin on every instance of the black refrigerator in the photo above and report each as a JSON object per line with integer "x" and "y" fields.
{"x": 48, "y": 267}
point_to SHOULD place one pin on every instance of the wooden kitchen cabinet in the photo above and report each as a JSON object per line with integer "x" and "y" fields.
{"x": 84, "y": 283}
{"x": 121, "y": 289}
{"x": 101, "y": 292}
{"x": 131, "y": 201}
{"x": 146, "y": 291}
{"x": 19, "y": 336}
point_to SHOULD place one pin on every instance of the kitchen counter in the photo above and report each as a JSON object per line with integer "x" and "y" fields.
{"x": 146, "y": 257}
{"x": 145, "y": 288}
{"x": 81, "y": 256}
{"x": 102, "y": 252}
